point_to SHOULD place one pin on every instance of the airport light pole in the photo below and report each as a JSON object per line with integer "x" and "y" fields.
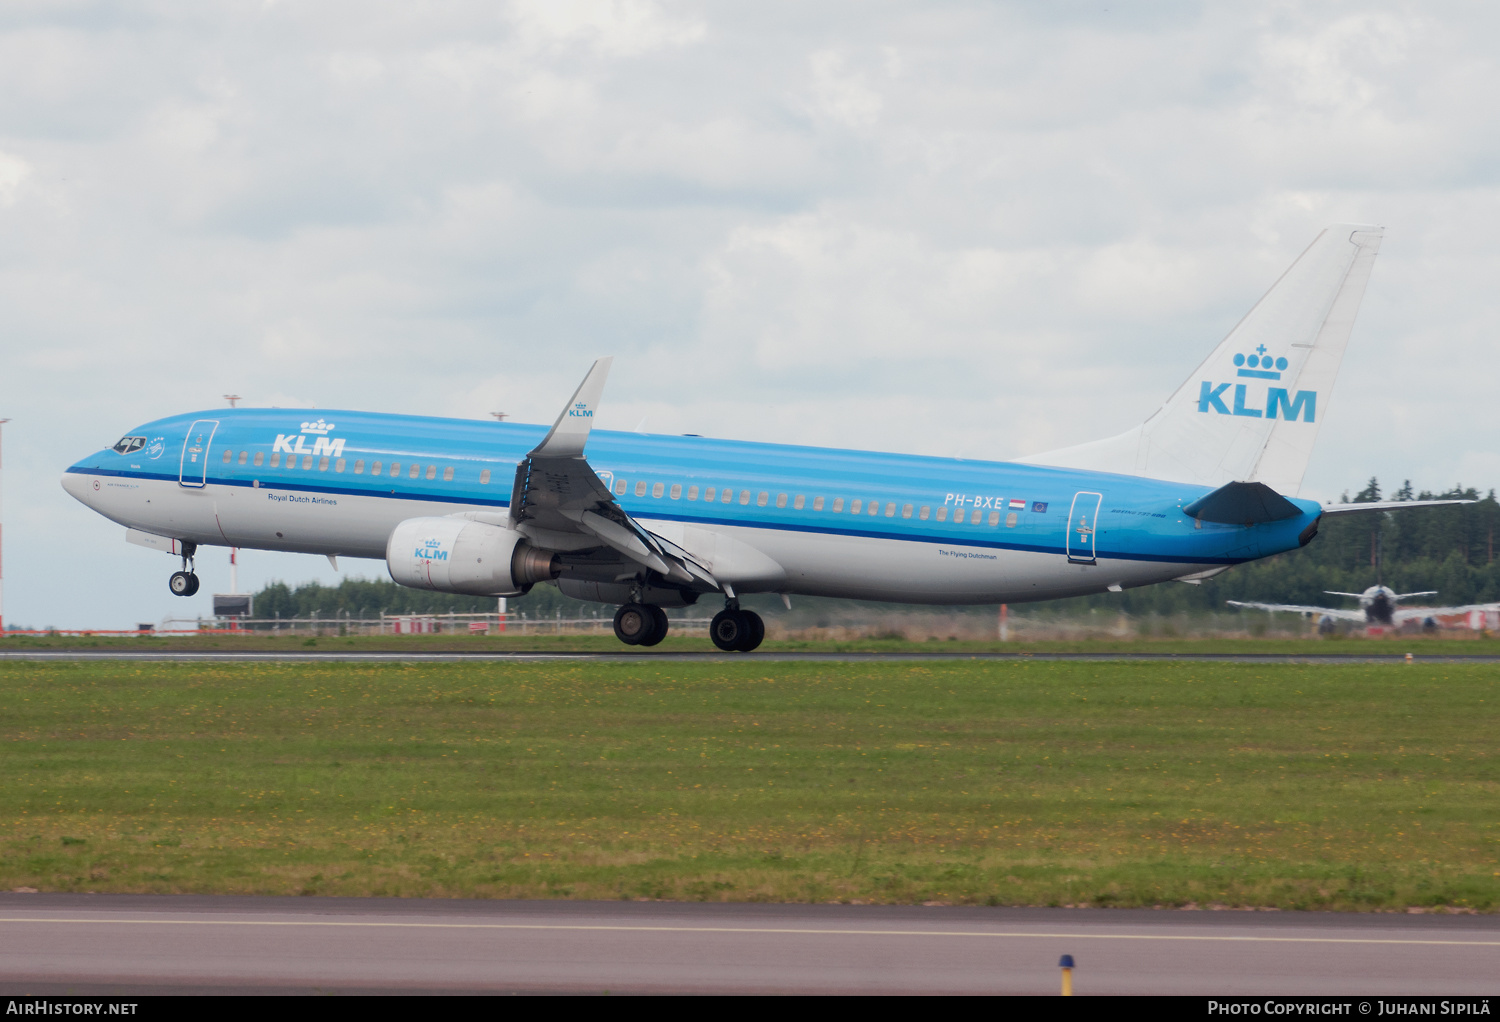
{"x": 2, "y": 537}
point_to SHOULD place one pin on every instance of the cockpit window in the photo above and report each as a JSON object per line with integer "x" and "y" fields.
{"x": 130, "y": 444}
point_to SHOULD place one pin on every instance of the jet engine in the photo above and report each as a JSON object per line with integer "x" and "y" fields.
{"x": 454, "y": 555}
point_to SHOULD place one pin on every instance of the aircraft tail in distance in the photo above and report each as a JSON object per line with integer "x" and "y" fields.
{"x": 1251, "y": 411}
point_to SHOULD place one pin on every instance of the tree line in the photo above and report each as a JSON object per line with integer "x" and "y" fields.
{"x": 1451, "y": 550}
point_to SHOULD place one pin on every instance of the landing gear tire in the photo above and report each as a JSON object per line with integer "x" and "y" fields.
{"x": 635, "y": 625}
{"x": 659, "y": 623}
{"x": 737, "y": 631}
{"x": 183, "y": 583}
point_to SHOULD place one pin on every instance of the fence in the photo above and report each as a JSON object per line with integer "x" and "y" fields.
{"x": 399, "y": 624}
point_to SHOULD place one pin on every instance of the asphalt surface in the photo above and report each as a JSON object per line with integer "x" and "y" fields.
{"x": 145, "y": 944}
{"x": 395, "y": 656}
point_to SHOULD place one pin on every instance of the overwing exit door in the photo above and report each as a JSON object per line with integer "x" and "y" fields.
{"x": 1082, "y": 525}
{"x": 193, "y": 469}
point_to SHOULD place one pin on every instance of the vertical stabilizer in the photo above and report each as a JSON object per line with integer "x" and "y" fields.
{"x": 1251, "y": 411}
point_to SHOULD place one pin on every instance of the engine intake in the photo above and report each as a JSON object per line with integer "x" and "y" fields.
{"x": 454, "y": 555}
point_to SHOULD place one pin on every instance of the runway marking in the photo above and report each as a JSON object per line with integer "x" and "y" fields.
{"x": 757, "y": 929}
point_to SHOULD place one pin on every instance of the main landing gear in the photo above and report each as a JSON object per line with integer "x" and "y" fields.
{"x": 185, "y": 582}
{"x": 733, "y": 630}
{"x": 640, "y": 624}
{"x": 737, "y": 631}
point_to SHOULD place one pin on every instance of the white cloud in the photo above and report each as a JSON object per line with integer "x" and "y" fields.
{"x": 13, "y": 171}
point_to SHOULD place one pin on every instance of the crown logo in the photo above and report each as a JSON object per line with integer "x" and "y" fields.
{"x": 320, "y": 427}
{"x": 1260, "y": 366}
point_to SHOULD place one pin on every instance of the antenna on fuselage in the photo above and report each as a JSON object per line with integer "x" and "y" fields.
{"x": 500, "y": 416}
{"x": 232, "y": 398}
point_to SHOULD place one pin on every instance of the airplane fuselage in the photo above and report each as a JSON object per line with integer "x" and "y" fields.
{"x": 762, "y": 517}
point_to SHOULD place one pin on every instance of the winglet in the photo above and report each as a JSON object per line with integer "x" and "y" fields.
{"x": 571, "y": 430}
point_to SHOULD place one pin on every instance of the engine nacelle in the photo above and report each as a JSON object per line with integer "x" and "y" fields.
{"x": 454, "y": 555}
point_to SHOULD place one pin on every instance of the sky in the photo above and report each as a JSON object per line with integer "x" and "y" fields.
{"x": 977, "y": 229}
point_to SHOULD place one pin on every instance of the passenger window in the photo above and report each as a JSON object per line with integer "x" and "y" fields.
{"x": 375, "y": 468}
{"x": 620, "y": 487}
{"x": 855, "y": 506}
{"x": 414, "y": 471}
{"x": 711, "y": 494}
{"x": 260, "y": 458}
{"x": 890, "y": 510}
{"x": 431, "y": 472}
{"x": 838, "y": 505}
{"x": 905, "y": 510}
{"x": 745, "y": 497}
{"x": 640, "y": 488}
{"x": 484, "y": 477}
{"x": 395, "y": 469}
{"x": 976, "y": 517}
{"x": 763, "y": 499}
{"x": 875, "y": 507}
{"x": 227, "y": 455}
{"x": 676, "y": 493}
{"x": 799, "y": 503}
{"x": 1010, "y": 520}
{"x": 243, "y": 456}
{"x": 359, "y": 467}
{"x": 448, "y": 474}
{"x": 727, "y": 497}
{"x": 994, "y": 518}
{"x": 942, "y": 514}
{"x": 657, "y": 489}
{"x": 307, "y": 463}
{"x": 817, "y": 503}
{"x": 925, "y": 513}
{"x": 322, "y": 463}
{"x": 781, "y": 500}
{"x": 693, "y": 493}
{"x": 275, "y": 459}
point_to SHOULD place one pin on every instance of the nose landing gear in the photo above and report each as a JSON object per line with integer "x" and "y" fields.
{"x": 185, "y": 582}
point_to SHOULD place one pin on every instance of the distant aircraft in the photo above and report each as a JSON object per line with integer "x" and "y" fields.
{"x": 647, "y": 522}
{"x": 1377, "y": 606}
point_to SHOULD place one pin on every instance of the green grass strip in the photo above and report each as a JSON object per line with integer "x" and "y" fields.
{"x": 1289, "y": 786}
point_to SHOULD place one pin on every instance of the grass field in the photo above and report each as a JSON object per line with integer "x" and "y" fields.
{"x": 1348, "y": 787}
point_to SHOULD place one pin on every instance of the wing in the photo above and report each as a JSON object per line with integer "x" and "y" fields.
{"x": 560, "y": 503}
{"x": 1407, "y": 596}
{"x": 1409, "y": 613}
{"x": 1297, "y": 608}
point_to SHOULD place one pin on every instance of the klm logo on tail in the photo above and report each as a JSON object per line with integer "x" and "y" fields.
{"x": 1278, "y": 402}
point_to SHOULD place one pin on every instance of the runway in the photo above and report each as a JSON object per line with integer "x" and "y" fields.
{"x": 641, "y": 656}
{"x": 145, "y": 944}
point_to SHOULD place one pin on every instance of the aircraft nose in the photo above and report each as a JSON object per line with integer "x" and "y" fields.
{"x": 79, "y": 486}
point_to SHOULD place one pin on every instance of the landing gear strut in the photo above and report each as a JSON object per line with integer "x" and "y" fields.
{"x": 185, "y": 582}
{"x": 737, "y": 631}
{"x": 641, "y": 624}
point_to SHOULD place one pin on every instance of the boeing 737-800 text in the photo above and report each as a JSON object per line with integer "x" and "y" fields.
{"x": 647, "y": 522}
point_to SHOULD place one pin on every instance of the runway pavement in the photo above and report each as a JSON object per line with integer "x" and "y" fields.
{"x": 143, "y": 944}
{"x": 628, "y": 656}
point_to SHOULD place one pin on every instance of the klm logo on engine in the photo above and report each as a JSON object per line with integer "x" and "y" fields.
{"x": 432, "y": 550}
{"x": 1279, "y": 402}
{"x": 321, "y": 444}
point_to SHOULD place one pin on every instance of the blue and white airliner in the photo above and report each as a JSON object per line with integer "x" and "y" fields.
{"x": 646, "y": 522}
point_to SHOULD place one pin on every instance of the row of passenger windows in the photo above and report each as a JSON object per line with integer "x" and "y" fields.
{"x": 323, "y": 462}
{"x": 710, "y": 494}
{"x": 856, "y": 506}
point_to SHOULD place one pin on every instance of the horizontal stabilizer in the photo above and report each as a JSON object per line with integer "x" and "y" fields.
{"x": 1387, "y": 505}
{"x": 1242, "y": 504}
